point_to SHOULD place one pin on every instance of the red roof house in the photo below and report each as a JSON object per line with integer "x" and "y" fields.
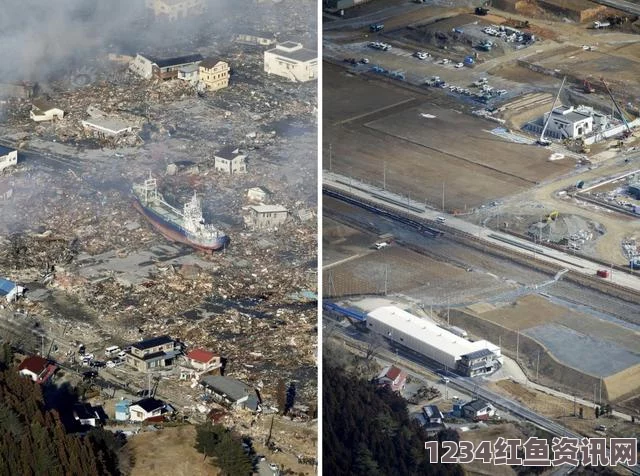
{"x": 203, "y": 360}
{"x": 37, "y": 368}
{"x": 393, "y": 377}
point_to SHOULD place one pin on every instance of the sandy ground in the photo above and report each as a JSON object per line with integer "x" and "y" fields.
{"x": 169, "y": 452}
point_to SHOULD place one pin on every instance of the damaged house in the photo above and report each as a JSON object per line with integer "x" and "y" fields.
{"x": 214, "y": 74}
{"x": 8, "y": 157}
{"x": 152, "y": 353}
{"x": 104, "y": 127}
{"x": 254, "y": 39}
{"x": 231, "y": 392}
{"x": 162, "y": 68}
{"x": 258, "y": 194}
{"x": 43, "y": 111}
{"x": 198, "y": 362}
{"x": 230, "y": 161}
{"x": 10, "y": 290}
{"x": 266, "y": 216}
{"x": 291, "y": 61}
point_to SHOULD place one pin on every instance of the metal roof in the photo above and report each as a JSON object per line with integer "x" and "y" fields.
{"x": 177, "y": 61}
{"x": 6, "y": 286}
{"x": 301, "y": 54}
{"x": 478, "y": 354}
{"x": 232, "y": 388}
{"x": 152, "y": 342}
{"x": 428, "y": 332}
{"x": 5, "y": 150}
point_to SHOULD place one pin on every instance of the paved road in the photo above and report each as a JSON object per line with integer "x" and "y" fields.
{"x": 542, "y": 253}
{"x": 621, "y": 5}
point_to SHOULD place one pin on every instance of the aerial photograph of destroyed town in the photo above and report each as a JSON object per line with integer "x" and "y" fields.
{"x": 158, "y": 230}
{"x": 481, "y": 236}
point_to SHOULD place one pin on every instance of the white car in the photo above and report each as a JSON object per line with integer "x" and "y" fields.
{"x": 459, "y": 65}
{"x": 444, "y": 61}
{"x": 379, "y": 246}
{"x": 110, "y": 364}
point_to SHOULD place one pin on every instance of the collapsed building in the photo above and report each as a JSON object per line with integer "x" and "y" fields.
{"x": 438, "y": 344}
{"x": 162, "y": 68}
{"x": 8, "y": 157}
{"x": 176, "y": 9}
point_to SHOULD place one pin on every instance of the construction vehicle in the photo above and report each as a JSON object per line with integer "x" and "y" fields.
{"x": 542, "y": 140}
{"x": 587, "y": 88}
{"x": 552, "y": 216}
{"x": 628, "y": 132}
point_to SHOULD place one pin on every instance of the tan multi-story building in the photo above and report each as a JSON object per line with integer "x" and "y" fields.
{"x": 214, "y": 74}
{"x": 176, "y": 9}
{"x": 152, "y": 353}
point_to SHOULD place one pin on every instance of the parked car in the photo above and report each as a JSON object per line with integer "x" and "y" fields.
{"x": 97, "y": 364}
{"x": 459, "y": 65}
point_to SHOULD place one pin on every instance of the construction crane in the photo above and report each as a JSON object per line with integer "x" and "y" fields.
{"x": 542, "y": 140}
{"x": 624, "y": 119}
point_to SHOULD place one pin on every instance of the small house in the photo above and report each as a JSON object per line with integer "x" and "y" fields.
{"x": 392, "y": 377}
{"x": 37, "y": 368}
{"x": 189, "y": 73}
{"x": 200, "y": 361}
{"x": 258, "y": 194}
{"x": 231, "y": 392}
{"x": 9, "y": 290}
{"x": 478, "y": 410}
{"x": 107, "y": 127}
{"x": 8, "y": 157}
{"x": 230, "y": 161}
{"x": 86, "y": 415}
{"x": 432, "y": 415}
{"x": 43, "y": 111}
{"x": 148, "y": 408}
{"x": 267, "y": 216}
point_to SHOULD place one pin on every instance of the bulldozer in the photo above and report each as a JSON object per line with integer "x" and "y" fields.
{"x": 553, "y": 216}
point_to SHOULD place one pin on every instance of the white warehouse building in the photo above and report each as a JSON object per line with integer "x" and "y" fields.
{"x": 438, "y": 344}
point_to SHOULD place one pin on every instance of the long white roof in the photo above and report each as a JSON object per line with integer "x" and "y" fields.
{"x": 428, "y": 332}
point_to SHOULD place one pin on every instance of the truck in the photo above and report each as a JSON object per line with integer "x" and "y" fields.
{"x": 376, "y": 27}
{"x": 603, "y": 273}
{"x": 601, "y": 24}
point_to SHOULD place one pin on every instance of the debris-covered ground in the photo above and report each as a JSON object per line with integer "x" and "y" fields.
{"x": 98, "y": 273}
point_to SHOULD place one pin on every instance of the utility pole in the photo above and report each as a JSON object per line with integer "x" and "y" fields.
{"x": 386, "y": 278}
{"x": 443, "y": 197}
{"x": 330, "y": 156}
{"x": 538, "y": 366}
{"x": 517, "y": 344}
{"x": 448, "y": 308}
{"x": 384, "y": 176}
{"x": 600, "y": 394}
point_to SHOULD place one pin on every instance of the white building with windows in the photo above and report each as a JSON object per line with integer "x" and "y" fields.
{"x": 292, "y": 61}
{"x": 569, "y": 123}
{"x": 8, "y": 157}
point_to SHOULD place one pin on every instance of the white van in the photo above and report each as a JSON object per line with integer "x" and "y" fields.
{"x": 440, "y": 219}
{"x": 110, "y": 351}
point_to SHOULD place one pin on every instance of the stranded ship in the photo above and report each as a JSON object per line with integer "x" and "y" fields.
{"x": 185, "y": 226}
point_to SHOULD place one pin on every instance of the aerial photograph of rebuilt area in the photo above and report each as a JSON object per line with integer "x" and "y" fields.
{"x": 158, "y": 231}
{"x": 481, "y": 232}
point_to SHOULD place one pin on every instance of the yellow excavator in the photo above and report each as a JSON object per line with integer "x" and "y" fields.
{"x": 552, "y": 216}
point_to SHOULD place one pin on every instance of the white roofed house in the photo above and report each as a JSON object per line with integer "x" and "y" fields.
{"x": 292, "y": 61}
{"x": 258, "y": 194}
{"x": 266, "y": 216}
{"x": 43, "y": 111}
{"x": 230, "y": 161}
{"x": 8, "y": 157}
{"x": 106, "y": 126}
{"x": 189, "y": 73}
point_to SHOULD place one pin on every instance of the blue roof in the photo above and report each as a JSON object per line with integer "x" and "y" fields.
{"x": 5, "y": 150}
{"x": 6, "y": 286}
